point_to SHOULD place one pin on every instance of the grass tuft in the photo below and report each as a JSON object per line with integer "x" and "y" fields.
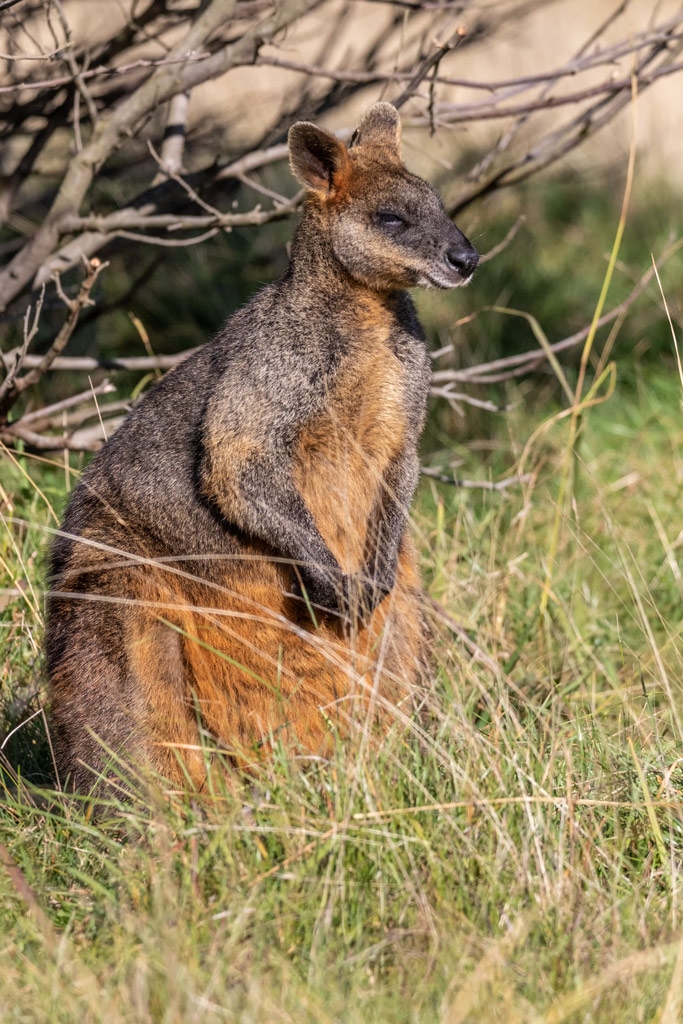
{"x": 510, "y": 851}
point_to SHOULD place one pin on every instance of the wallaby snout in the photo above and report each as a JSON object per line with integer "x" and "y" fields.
{"x": 459, "y": 261}
{"x": 463, "y": 259}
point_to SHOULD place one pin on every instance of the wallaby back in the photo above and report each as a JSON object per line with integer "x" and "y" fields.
{"x": 235, "y": 562}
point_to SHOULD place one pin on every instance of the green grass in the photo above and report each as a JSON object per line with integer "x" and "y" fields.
{"x": 507, "y": 850}
{"x": 511, "y": 851}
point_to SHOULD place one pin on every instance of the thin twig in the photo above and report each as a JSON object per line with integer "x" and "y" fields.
{"x": 460, "y": 396}
{"x": 105, "y": 388}
{"x": 30, "y": 330}
{"x": 89, "y": 439}
{"x": 503, "y": 244}
{"x": 431, "y": 60}
{"x": 20, "y": 384}
{"x": 475, "y": 485}
{"x": 35, "y": 56}
{"x": 103, "y": 72}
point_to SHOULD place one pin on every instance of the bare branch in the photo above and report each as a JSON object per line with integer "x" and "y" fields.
{"x": 162, "y": 85}
{"x": 455, "y": 397}
{"x": 60, "y": 81}
{"x": 171, "y": 243}
{"x": 10, "y": 384}
{"x": 604, "y": 57}
{"x": 19, "y": 384}
{"x": 431, "y": 61}
{"x": 131, "y": 218}
{"x": 37, "y": 417}
{"x": 87, "y": 364}
{"x": 92, "y": 233}
{"x": 78, "y": 417}
{"x": 478, "y": 485}
{"x": 90, "y": 439}
{"x": 173, "y": 144}
{"x": 35, "y": 56}
{"x": 451, "y": 113}
{"x": 262, "y": 158}
{"x": 570, "y": 135}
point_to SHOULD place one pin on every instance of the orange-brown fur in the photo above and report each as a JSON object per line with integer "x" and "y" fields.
{"x": 239, "y": 660}
{"x": 235, "y": 565}
{"x": 343, "y": 454}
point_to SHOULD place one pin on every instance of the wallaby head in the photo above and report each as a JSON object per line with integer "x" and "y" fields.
{"x": 387, "y": 227}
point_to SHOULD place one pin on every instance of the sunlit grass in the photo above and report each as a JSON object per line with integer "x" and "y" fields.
{"x": 511, "y": 853}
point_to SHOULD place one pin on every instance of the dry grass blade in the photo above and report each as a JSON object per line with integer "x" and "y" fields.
{"x": 668, "y": 316}
{"x": 545, "y": 345}
{"x": 470, "y": 996}
{"x": 672, "y": 1013}
{"x": 26, "y": 893}
{"x": 621, "y": 972}
{"x": 656, "y": 830}
{"x": 567, "y": 467}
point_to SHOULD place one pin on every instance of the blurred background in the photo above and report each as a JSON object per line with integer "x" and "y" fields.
{"x": 150, "y": 134}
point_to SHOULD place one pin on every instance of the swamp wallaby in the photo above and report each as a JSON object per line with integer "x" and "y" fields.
{"x": 235, "y": 561}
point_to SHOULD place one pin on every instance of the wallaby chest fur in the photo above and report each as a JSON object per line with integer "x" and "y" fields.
{"x": 236, "y": 561}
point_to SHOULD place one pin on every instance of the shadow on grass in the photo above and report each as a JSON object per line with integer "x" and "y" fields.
{"x": 25, "y": 746}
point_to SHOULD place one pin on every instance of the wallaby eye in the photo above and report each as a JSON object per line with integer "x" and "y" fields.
{"x": 389, "y": 219}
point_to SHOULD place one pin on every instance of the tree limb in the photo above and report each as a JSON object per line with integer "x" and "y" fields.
{"x": 162, "y": 85}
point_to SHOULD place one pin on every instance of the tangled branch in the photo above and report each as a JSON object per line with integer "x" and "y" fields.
{"x": 120, "y": 108}
{"x": 61, "y": 425}
{"x": 107, "y": 94}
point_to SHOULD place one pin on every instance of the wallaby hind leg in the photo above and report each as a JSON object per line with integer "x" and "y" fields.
{"x": 270, "y": 675}
{"x": 127, "y": 699}
{"x": 254, "y": 681}
{"x": 167, "y": 713}
{"x": 246, "y": 666}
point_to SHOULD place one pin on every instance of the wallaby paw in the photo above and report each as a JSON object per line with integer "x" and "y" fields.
{"x": 353, "y": 597}
{"x": 321, "y": 592}
{"x": 361, "y": 596}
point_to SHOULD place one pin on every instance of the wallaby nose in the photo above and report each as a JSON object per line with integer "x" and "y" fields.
{"x": 462, "y": 258}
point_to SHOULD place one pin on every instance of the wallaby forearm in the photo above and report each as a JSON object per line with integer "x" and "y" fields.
{"x": 260, "y": 499}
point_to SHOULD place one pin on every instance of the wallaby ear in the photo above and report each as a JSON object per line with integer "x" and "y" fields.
{"x": 381, "y": 126}
{"x": 315, "y": 156}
